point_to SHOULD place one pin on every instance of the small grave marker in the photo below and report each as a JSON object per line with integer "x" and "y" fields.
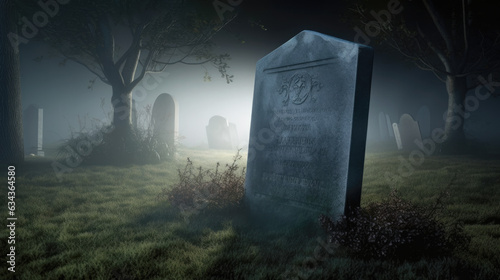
{"x": 165, "y": 119}
{"x": 409, "y": 132}
{"x": 33, "y": 130}
{"x": 397, "y": 136}
{"x": 219, "y": 134}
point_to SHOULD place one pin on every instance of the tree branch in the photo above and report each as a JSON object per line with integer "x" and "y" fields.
{"x": 102, "y": 78}
{"x": 134, "y": 83}
{"x": 463, "y": 63}
{"x": 438, "y": 52}
{"x": 105, "y": 52}
{"x": 136, "y": 35}
{"x": 438, "y": 22}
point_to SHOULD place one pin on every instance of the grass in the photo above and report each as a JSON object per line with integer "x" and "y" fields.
{"x": 104, "y": 223}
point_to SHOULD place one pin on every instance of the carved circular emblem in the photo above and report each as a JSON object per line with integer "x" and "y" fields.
{"x": 298, "y": 88}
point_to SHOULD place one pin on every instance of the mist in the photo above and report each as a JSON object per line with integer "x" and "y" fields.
{"x": 75, "y": 101}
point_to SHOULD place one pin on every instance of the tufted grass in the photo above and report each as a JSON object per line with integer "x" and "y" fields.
{"x": 105, "y": 223}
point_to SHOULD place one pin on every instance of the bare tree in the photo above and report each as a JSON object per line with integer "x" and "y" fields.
{"x": 455, "y": 39}
{"x": 122, "y": 41}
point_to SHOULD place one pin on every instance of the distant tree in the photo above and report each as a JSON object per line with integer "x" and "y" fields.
{"x": 458, "y": 40}
{"x": 121, "y": 41}
{"x": 11, "y": 133}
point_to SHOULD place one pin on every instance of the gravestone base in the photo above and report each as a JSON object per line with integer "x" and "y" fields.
{"x": 281, "y": 208}
{"x": 278, "y": 217}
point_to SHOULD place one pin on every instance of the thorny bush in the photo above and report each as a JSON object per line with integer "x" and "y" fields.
{"x": 199, "y": 189}
{"x": 396, "y": 229}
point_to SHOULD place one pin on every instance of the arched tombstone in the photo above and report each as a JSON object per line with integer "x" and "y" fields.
{"x": 409, "y": 131}
{"x": 33, "y": 130}
{"x": 424, "y": 121}
{"x": 165, "y": 120}
{"x": 219, "y": 134}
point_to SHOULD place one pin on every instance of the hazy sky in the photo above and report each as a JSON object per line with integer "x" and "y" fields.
{"x": 63, "y": 92}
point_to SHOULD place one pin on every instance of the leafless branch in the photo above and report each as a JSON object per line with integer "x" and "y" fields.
{"x": 438, "y": 22}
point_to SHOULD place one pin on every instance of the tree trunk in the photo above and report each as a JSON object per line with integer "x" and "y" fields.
{"x": 122, "y": 116}
{"x": 122, "y": 97}
{"x": 454, "y": 136}
{"x": 122, "y": 109}
{"x": 11, "y": 135}
{"x": 122, "y": 146}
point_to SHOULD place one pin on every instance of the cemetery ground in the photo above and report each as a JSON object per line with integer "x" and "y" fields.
{"x": 104, "y": 222}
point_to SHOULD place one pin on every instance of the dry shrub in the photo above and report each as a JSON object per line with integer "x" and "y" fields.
{"x": 199, "y": 189}
{"x": 396, "y": 229}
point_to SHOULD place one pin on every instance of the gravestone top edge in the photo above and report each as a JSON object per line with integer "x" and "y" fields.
{"x": 330, "y": 37}
{"x": 308, "y": 35}
{"x": 165, "y": 96}
{"x": 32, "y": 106}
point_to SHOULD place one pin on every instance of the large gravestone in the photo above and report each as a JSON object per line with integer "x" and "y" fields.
{"x": 308, "y": 128}
{"x": 165, "y": 119}
{"x": 33, "y": 130}
{"x": 409, "y": 131}
{"x": 219, "y": 134}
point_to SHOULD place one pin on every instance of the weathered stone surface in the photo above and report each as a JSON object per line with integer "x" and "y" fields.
{"x": 165, "y": 119}
{"x": 409, "y": 132}
{"x": 33, "y": 131}
{"x": 308, "y": 128}
{"x": 397, "y": 136}
{"x": 219, "y": 134}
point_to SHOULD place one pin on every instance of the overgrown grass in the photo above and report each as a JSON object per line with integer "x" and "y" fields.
{"x": 104, "y": 223}
{"x": 200, "y": 188}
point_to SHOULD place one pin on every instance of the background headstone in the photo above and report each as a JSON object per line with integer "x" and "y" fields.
{"x": 308, "y": 128}
{"x": 424, "y": 121}
{"x": 165, "y": 119}
{"x": 397, "y": 136}
{"x": 389, "y": 126}
{"x": 382, "y": 125}
{"x": 409, "y": 131}
{"x": 33, "y": 130}
{"x": 218, "y": 134}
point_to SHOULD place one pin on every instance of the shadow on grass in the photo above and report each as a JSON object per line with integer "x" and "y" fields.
{"x": 157, "y": 214}
{"x": 261, "y": 247}
{"x": 34, "y": 167}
